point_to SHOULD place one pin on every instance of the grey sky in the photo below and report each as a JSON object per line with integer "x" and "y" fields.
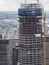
{"x": 12, "y": 5}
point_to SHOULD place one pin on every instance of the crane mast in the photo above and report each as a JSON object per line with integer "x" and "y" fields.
{"x": 44, "y": 48}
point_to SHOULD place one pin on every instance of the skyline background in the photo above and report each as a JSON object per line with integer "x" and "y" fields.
{"x": 13, "y": 5}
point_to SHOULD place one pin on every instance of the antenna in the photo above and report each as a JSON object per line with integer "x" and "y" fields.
{"x": 25, "y": 1}
{"x": 37, "y": 1}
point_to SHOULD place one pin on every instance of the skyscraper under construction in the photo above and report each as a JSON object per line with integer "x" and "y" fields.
{"x": 30, "y": 50}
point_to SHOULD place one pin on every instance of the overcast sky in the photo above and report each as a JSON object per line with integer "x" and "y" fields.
{"x": 12, "y": 5}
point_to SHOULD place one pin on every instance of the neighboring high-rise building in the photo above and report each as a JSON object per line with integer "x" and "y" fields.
{"x": 30, "y": 50}
{"x": 3, "y": 52}
{"x": 6, "y": 49}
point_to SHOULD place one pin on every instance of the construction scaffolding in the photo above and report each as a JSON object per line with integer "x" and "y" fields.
{"x": 31, "y": 45}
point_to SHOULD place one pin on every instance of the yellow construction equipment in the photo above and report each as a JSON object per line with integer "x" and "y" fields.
{"x": 44, "y": 48}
